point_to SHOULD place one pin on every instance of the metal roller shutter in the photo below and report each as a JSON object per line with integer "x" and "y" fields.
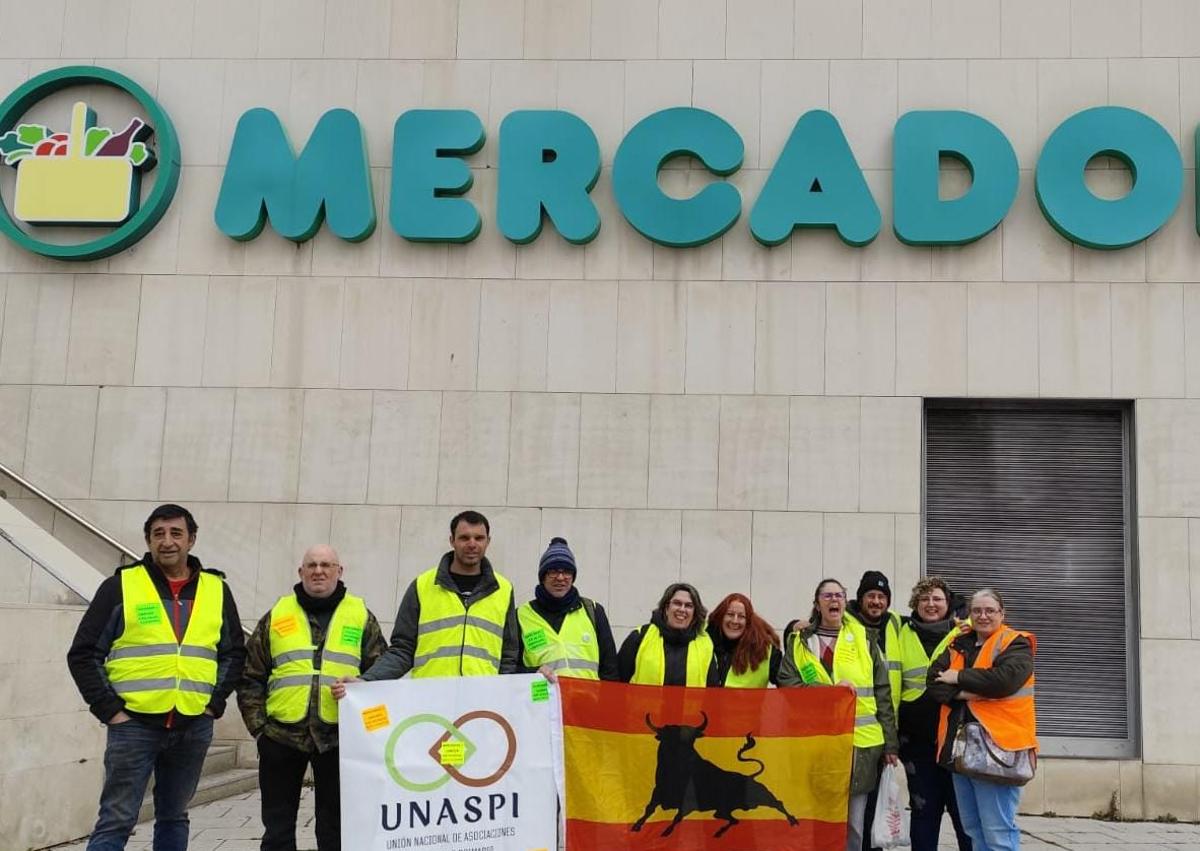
{"x": 1034, "y": 498}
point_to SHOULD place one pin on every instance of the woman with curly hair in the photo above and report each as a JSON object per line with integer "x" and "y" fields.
{"x": 746, "y": 646}
{"x": 923, "y": 637}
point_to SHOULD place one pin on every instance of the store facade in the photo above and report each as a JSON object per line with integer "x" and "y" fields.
{"x": 897, "y": 304}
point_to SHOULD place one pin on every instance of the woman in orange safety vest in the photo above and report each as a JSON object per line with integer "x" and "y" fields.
{"x": 986, "y": 675}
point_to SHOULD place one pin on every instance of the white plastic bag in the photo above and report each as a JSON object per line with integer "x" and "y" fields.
{"x": 890, "y": 828}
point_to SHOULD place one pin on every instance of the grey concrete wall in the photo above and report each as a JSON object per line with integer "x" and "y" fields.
{"x": 53, "y": 747}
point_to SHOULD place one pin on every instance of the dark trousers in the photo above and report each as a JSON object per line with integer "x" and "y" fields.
{"x": 134, "y": 752}
{"x": 280, "y": 777}
{"x": 930, "y": 793}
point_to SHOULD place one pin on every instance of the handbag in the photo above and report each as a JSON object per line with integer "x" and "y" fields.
{"x": 977, "y": 755}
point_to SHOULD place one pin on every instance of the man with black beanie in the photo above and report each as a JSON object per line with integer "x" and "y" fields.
{"x": 562, "y": 633}
{"x": 871, "y": 607}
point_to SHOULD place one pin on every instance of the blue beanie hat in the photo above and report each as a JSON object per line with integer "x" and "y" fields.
{"x": 557, "y": 554}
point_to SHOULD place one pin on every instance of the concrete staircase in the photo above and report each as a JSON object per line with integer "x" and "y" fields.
{"x": 220, "y": 778}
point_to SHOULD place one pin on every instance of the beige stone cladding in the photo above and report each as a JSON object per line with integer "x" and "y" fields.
{"x": 745, "y": 417}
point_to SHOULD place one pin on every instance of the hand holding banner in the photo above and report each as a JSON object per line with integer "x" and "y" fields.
{"x": 454, "y": 764}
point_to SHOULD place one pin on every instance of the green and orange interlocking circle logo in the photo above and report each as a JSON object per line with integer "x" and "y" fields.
{"x": 451, "y": 752}
{"x": 88, "y": 174}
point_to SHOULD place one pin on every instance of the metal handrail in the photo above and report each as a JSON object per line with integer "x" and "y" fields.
{"x": 90, "y": 527}
{"x": 58, "y": 506}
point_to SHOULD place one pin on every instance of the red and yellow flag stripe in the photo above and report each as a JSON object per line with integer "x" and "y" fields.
{"x": 803, "y": 739}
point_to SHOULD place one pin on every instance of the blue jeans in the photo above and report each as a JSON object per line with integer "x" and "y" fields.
{"x": 134, "y": 751}
{"x": 989, "y": 813}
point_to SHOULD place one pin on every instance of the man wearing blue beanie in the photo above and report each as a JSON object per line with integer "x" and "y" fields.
{"x": 562, "y": 633}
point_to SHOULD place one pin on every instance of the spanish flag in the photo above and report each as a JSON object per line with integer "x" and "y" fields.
{"x": 737, "y": 769}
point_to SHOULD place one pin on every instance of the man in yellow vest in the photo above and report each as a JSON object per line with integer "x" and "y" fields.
{"x": 309, "y": 638}
{"x": 456, "y": 619}
{"x": 156, "y": 656}
{"x": 872, "y": 608}
{"x": 564, "y": 634}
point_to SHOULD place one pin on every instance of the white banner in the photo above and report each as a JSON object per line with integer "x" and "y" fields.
{"x": 454, "y": 764}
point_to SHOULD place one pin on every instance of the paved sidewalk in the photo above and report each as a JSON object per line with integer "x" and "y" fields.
{"x": 232, "y": 825}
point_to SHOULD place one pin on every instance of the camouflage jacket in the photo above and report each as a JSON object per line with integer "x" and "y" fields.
{"x": 312, "y": 734}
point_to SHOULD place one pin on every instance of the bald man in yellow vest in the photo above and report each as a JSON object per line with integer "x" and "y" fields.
{"x": 308, "y": 639}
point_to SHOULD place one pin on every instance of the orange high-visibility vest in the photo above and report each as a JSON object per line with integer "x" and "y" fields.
{"x": 1010, "y": 721}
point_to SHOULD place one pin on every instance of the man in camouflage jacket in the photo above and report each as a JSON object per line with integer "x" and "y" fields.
{"x": 286, "y": 748}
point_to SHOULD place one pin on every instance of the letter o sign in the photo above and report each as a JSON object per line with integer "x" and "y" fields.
{"x": 1137, "y": 140}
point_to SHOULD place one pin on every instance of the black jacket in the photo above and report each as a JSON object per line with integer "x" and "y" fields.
{"x": 397, "y": 660}
{"x": 104, "y": 621}
{"x": 604, "y": 637}
{"x": 1007, "y": 675}
{"x": 918, "y": 718}
{"x": 675, "y": 648}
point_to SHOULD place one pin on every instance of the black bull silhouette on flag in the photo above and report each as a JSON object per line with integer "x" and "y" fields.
{"x": 686, "y": 782}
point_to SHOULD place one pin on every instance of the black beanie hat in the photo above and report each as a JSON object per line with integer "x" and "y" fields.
{"x": 873, "y": 580}
{"x": 557, "y": 554}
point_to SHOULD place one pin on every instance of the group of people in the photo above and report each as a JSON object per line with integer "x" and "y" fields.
{"x": 160, "y": 650}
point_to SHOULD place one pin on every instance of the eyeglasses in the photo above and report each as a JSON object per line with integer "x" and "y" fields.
{"x": 680, "y": 604}
{"x": 324, "y": 565}
{"x": 558, "y": 571}
{"x": 985, "y": 613}
{"x": 833, "y": 595}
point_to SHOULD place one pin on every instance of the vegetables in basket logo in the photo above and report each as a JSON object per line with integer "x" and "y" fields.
{"x": 88, "y": 174}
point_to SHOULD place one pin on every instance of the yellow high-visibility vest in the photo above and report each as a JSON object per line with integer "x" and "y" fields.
{"x": 293, "y": 674}
{"x": 650, "y": 668}
{"x": 572, "y": 651}
{"x": 915, "y": 662}
{"x": 453, "y": 641}
{"x": 892, "y": 655}
{"x": 851, "y": 663}
{"x": 757, "y": 677}
{"x": 149, "y": 668}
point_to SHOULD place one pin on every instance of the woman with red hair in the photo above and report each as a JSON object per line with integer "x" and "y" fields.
{"x": 747, "y": 647}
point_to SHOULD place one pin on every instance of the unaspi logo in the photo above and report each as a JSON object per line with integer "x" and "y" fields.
{"x": 450, "y": 752}
{"x": 431, "y": 761}
{"x": 85, "y": 175}
{"x": 686, "y": 782}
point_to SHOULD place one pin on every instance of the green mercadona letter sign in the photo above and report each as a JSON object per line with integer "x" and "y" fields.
{"x": 549, "y": 161}
{"x": 79, "y": 172}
